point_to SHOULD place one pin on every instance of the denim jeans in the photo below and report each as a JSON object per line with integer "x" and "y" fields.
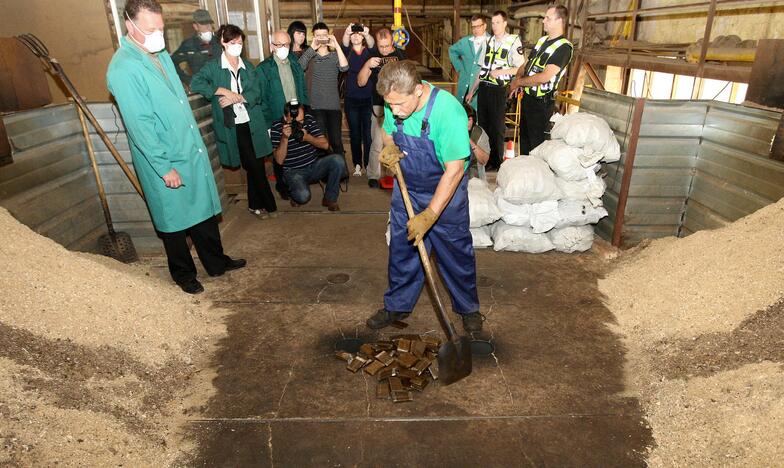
{"x": 358, "y": 113}
{"x": 330, "y": 169}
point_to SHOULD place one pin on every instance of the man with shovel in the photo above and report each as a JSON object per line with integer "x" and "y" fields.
{"x": 169, "y": 155}
{"x": 424, "y": 132}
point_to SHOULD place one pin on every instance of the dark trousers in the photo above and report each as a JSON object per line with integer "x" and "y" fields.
{"x": 535, "y": 122}
{"x": 259, "y": 193}
{"x": 331, "y": 123}
{"x": 329, "y": 169}
{"x": 491, "y": 112}
{"x": 280, "y": 184}
{"x": 206, "y": 238}
{"x": 358, "y": 113}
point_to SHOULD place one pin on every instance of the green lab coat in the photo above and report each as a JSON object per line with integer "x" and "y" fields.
{"x": 207, "y": 81}
{"x": 163, "y": 135}
{"x": 267, "y": 71}
{"x": 466, "y": 62}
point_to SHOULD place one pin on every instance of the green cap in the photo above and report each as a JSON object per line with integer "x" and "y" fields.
{"x": 202, "y": 17}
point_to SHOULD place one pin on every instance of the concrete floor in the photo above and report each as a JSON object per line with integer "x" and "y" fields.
{"x": 551, "y": 395}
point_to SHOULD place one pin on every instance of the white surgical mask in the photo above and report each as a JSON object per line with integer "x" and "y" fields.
{"x": 205, "y": 36}
{"x": 154, "y": 41}
{"x": 234, "y": 49}
{"x": 282, "y": 52}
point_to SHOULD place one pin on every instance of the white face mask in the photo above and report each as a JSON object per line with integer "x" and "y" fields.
{"x": 205, "y": 36}
{"x": 154, "y": 41}
{"x": 282, "y": 52}
{"x": 234, "y": 49}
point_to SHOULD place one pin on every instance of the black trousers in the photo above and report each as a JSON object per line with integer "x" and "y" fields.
{"x": 206, "y": 238}
{"x": 259, "y": 193}
{"x": 535, "y": 122}
{"x": 490, "y": 113}
{"x": 331, "y": 123}
{"x": 280, "y": 184}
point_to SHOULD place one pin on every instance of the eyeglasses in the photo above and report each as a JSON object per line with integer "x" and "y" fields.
{"x": 281, "y": 44}
{"x": 476, "y": 26}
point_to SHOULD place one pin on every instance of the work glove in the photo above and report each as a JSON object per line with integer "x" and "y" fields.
{"x": 390, "y": 156}
{"x": 420, "y": 224}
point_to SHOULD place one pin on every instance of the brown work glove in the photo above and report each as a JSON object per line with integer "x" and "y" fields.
{"x": 390, "y": 156}
{"x": 420, "y": 224}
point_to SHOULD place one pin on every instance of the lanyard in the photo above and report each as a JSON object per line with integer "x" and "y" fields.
{"x": 236, "y": 79}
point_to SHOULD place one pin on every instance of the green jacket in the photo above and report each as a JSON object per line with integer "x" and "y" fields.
{"x": 196, "y": 56}
{"x": 163, "y": 135}
{"x": 267, "y": 71}
{"x": 466, "y": 62}
{"x": 207, "y": 81}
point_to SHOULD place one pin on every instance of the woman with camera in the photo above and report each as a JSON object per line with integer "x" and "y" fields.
{"x": 324, "y": 59}
{"x": 238, "y": 116}
{"x": 358, "y": 101}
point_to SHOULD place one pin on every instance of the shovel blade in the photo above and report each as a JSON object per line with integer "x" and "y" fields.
{"x": 454, "y": 361}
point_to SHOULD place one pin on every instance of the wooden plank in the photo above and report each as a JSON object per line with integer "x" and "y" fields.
{"x": 23, "y": 82}
{"x": 5, "y": 146}
{"x": 766, "y": 81}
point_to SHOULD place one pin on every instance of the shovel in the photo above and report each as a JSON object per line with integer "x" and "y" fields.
{"x": 454, "y": 356}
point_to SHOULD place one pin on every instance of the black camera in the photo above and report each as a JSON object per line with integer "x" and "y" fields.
{"x": 357, "y": 28}
{"x": 296, "y": 126}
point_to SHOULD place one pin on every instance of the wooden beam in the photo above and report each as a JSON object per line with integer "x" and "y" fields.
{"x": 699, "y": 7}
{"x": 716, "y": 71}
{"x": 706, "y": 37}
{"x": 628, "y": 168}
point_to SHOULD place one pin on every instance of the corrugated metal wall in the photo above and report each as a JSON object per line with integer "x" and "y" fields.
{"x": 734, "y": 176}
{"x": 699, "y": 164}
{"x": 50, "y": 186}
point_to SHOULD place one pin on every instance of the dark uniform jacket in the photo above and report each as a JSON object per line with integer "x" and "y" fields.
{"x": 195, "y": 53}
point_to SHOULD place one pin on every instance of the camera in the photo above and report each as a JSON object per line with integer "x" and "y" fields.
{"x": 357, "y": 28}
{"x": 322, "y": 40}
{"x": 296, "y": 126}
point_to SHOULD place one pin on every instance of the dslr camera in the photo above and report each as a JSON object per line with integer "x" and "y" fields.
{"x": 296, "y": 126}
{"x": 357, "y": 28}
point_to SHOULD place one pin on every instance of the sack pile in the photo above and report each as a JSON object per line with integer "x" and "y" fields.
{"x": 482, "y": 211}
{"x": 551, "y": 199}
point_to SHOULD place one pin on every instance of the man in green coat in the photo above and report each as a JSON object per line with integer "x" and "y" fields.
{"x": 285, "y": 82}
{"x": 464, "y": 55}
{"x": 169, "y": 155}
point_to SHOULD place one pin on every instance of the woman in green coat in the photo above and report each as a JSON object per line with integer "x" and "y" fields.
{"x": 238, "y": 108}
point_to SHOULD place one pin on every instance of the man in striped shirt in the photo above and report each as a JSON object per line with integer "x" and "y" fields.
{"x": 299, "y": 148}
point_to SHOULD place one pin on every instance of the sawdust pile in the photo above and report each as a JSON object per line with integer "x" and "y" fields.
{"x": 95, "y": 356}
{"x": 704, "y": 327}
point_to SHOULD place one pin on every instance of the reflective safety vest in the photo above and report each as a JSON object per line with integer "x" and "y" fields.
{"x": 537, "y": 63}
{"x": 495, "y": 58}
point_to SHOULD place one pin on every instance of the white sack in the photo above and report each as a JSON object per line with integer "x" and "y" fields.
{"x": 578, "y": 213}
{"x": 591, "y": 188}
{"x": 563, "y": 159}
{"x": 512, "y": 214}
{"x": 572, "y": 239}
{"x": 527, "y": 180}
{"x": 519, "y": 239}
{"x": 481, "y": 236}
{"x": 544, "y": 216}
{"x": 589, "y": 132}
{"x": 482, "y": 209}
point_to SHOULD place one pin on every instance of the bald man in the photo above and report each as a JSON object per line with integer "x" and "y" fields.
{"x": 282, "y": 81}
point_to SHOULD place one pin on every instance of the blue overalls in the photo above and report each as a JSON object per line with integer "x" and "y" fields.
{"x": 449, "y": 236}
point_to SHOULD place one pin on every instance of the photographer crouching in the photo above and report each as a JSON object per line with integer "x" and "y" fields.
{"x": 299, "y": 147}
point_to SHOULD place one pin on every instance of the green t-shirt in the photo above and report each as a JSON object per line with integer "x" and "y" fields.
{"x": 448, "y": 127}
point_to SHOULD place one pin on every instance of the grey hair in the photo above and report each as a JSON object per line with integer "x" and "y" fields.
{"x": 401, "y": 76}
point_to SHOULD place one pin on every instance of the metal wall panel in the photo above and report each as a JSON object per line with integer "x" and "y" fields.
{"x": 699, "y": 165}
{"x": 50, "y": 185}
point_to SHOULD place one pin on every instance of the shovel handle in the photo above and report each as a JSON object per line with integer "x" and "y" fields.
{"x": 446, "y": 324}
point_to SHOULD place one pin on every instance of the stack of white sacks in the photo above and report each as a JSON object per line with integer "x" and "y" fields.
{"x": 550, "y": 199}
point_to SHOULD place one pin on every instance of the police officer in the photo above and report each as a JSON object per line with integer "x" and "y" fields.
{"x": 428, "y": 127}
{"x": 500, "y": 60}
{"x": 197, "y": 49}
{"x": 539, "y": 79}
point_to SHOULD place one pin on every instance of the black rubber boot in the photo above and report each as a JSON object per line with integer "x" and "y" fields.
{"x": 472, "y": 322}
{"x": 383, "y": 318}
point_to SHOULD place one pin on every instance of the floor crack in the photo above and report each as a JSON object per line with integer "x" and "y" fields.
{"x": 269, "y": 444}
{"x": 367, "y": 393}
{"x": 285, "y": 386}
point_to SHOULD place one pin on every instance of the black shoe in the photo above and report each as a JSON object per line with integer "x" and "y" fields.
{"x": 373, "y": 183}
{"x": 472, "y": 322}
{"x": 383, "y": 318}
{"x": 191, "y": 286}
{"x": 235, "y": 264}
